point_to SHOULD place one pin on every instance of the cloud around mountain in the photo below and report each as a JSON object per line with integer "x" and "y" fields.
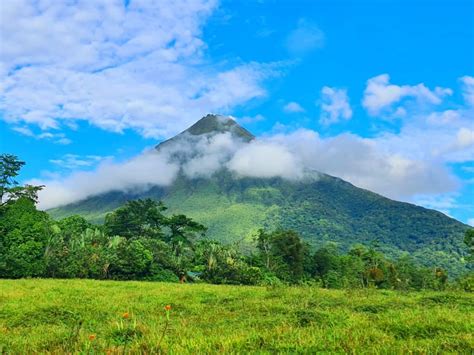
{"x": 290, "y": 156}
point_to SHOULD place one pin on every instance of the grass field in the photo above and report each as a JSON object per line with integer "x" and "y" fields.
{"x": 89, "y": 316}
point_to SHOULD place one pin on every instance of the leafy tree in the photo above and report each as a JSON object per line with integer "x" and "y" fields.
{"x": 73, "y": 226}
{"x": 222, "y": 264}
{"x": 469, "y": 241}
{"x": 183, "y": 231}
{"x": 76, "y": 249}
{"x": 264, "y": 245}
{"x": 131, "y": 260}
{"x": 139, "y": 218}
{"x": 283, "y": 253}
{"x": 10, "y": 190}
{"x": 23, "y": 237}
{"x": 23, "y": 229}
{"x": 325, "y": 264}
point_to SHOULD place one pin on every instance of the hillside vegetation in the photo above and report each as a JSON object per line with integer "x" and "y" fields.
{"x": 322, "y": 209}
{"x": 115, "y": 317}
{"x": 138, "y": 241}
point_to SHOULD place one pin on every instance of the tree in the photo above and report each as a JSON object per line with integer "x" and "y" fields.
{"x": 24, "y": 232}
{"x": 76, "y": 248}
{"x": 183, "y": 231}
{"x": 224, "y": 264}
{"x": 10, "y": 190}
{"x": 73, "y": 226}
{"x": 138, "y": 218}
{"x": 23, "y": 229}
{"x": 324, "y": 262}
{"x": 263, "y": 240}
{"x": 131, "y": 260}
{"x": 283, "y": 253}
{"x": 469, "y": 241}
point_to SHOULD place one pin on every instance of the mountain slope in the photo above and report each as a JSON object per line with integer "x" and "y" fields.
{"x": 320, "y": 207}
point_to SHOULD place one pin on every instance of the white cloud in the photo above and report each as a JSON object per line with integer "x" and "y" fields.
{"x": 136, "y": 174}
{"x": 470, "y": 222}
{"x": 442, "y": 202}
{"x": 367, "y": 163}
{"x": 465, "y": 137}
{"x": 74, "y": 161}
{"x": 293, "y": 107}
{"x": 468, "y": 89}
{"x": 380, "y": 96}
{"x": 444, "y": 117}
{"x": 141, "y": 67}
{"x": 57, "y": 138}
{"x": 428, "y": 138}
{"x": 335, "y": 105}
{"x": 24, "y": 130}
{"x": 251, "y": 119}
{"x": 265, "y": 160}
{"x": 64, "y": 141}
{"x": 305, "y": 38}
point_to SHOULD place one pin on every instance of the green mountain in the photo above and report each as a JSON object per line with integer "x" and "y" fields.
{"x": 320, "y": 207}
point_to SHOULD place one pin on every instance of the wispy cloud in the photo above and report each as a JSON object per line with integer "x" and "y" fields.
{"x": 468, "y": 89}
{"x": 293, "y": 107}
{"x": 334, "y": 106}
{"x": 381, "y": 97}
{"x": 75, "y": 162}
{"x": 251, "y": 119}
{"x": 305, "y": 38}
{"x": 55, "y": 137}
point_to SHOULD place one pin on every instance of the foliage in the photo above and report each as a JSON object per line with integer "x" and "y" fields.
{"x": 469, "y": 241}
{"x": 23, "y": 236}
{"x": 221, "y": 264}
{"x": 283, "y": 253}
{"x": 10, "y": 166}
{"x": 140, "y": 218}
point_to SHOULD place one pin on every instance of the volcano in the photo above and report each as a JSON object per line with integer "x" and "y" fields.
{"x": 322, "y": 208}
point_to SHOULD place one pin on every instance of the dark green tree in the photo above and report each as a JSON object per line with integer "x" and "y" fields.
{"x": 138, "y": 218}
{"x": 131, "y": 260}
{"x": 10, "y": 190}
{"x": 264, "y": 246}
{"x": 224, "y": 264}
{"x": 183, "y": 231}
{"x": 283, "y": 253}
{"x": 24, "y": 232}
{"x": 469, "y": 241}
{"x": 325, "y": 264}
{"x": 76, "y": 248}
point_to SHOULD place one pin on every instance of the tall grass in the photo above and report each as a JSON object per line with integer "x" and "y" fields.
{"x": 116, "y": 317}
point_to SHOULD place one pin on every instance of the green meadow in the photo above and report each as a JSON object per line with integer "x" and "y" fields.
{"x": 115, "y": 317}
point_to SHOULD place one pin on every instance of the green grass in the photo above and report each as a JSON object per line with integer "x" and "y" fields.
{"x": 60, "y": 315}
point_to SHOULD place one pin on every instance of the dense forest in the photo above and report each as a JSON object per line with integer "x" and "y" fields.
{"x": 139, "y": 241}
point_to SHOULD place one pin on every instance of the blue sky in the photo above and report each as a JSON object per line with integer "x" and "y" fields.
{"x": 382, "y": 92}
